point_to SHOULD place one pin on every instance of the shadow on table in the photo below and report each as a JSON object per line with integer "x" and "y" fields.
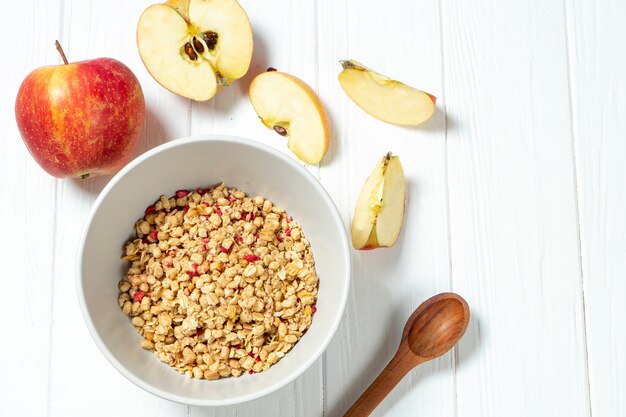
{"x": 439, "y": 122}
{"x": 258, "y": 64}
{"x": 153, "y": 134}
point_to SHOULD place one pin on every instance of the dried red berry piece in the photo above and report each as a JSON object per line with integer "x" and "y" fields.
{"x": 199, "y": 190}
{"x": 239, "y": 239}
{"x": 313, "y": 309}
{"x": 238, "y": 346}
{"x": 251, "y": 372}
{"x": 224, "y": 250}
{"x": 150, "y": 209}
{"x": 251, "y": 258}
{"x": 153, "y": 235}
{"x": 258, "y": 359}
{"x": 251, "y": 354}
{"x": 280, "y": 238}
{"x": 138, "y": 296}
{"x": 181, "y": 193}
{"x": 289, "y": 218}
{"x": 231, "y": 198}
{"x": 186, "y": 209}
{"x": 288, "y": 232}
{"x": 219, "y": 212}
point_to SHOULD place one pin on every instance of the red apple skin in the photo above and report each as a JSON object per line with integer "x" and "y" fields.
{"x": 81, "y": 119}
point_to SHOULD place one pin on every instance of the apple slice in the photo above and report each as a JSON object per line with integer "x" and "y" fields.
{"x": 290, "y": 107}
{"x": 379, "y": 211}
{"x": 195, "y": 47}
{"x": 386, "y": 99}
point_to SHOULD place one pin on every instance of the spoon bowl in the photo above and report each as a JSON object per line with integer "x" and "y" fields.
{"x": 435, "y": 328}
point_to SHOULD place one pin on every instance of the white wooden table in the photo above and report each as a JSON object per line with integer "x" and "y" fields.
{"x": 517, "y": 202}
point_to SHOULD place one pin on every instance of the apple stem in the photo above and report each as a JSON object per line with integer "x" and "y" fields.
{"x": 60, "y": 49}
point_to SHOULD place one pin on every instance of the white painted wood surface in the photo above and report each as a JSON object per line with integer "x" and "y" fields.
{"x": 517, "y": 201}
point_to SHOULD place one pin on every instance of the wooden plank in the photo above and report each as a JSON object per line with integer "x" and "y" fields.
{"x": 28, "y": 248}
{"x": 285, "y": 38}
{"x": 595, "y": 32}
{"x": 81, "y": 378}
{"x": 512, "y": 208}
{"x": 401, "y": 40}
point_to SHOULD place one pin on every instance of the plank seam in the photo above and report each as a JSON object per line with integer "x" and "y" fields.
{"x": 319, "y": 177}
{"x": 455, "y": 352}
{"x": 317, "y": 78}
{"x": 53, "y": 267}
{"x": 577, "y": 201}
{"x": 54, "y": 245}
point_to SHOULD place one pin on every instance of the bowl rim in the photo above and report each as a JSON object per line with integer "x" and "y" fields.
{"x": 236, "y": 399}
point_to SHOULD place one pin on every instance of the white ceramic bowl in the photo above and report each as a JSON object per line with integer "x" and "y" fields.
{"x": 188, "y": 164}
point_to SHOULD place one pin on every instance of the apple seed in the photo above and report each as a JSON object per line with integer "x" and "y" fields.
{"x": 280, "y": 130}
{"x": 269, "y": 69}
{"x": 210, "y": 38}
{"x": 190, "y": 52}
{"x": 198, "y": 45}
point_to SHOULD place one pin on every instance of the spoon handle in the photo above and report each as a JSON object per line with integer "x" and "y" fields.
{"x": 393, "y": 373}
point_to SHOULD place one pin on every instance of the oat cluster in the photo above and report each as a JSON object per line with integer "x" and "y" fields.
{"x": 219, "y": 283}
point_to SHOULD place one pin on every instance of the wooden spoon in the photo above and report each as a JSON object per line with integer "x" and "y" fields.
{"x": 433, "y": 328}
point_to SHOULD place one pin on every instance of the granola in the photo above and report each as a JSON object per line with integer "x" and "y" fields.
{"x": 219, "y": 283}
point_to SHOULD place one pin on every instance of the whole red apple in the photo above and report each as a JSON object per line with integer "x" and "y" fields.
{"x": 80, "y": 119}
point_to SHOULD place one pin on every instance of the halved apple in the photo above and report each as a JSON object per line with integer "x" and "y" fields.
{"x": 290, "y": 107}
{"x": 386, "y": 99}
{"x": 379, "y": 211}
{"x": 194, "y": 47}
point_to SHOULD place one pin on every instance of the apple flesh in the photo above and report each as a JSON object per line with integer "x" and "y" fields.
{"x": 195, "y": 47}
{"x": 81, "y": 119}
{"x": 291, "y": 108}
{"x": 386, "y": 99}
{"x": 379, "y": 211}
